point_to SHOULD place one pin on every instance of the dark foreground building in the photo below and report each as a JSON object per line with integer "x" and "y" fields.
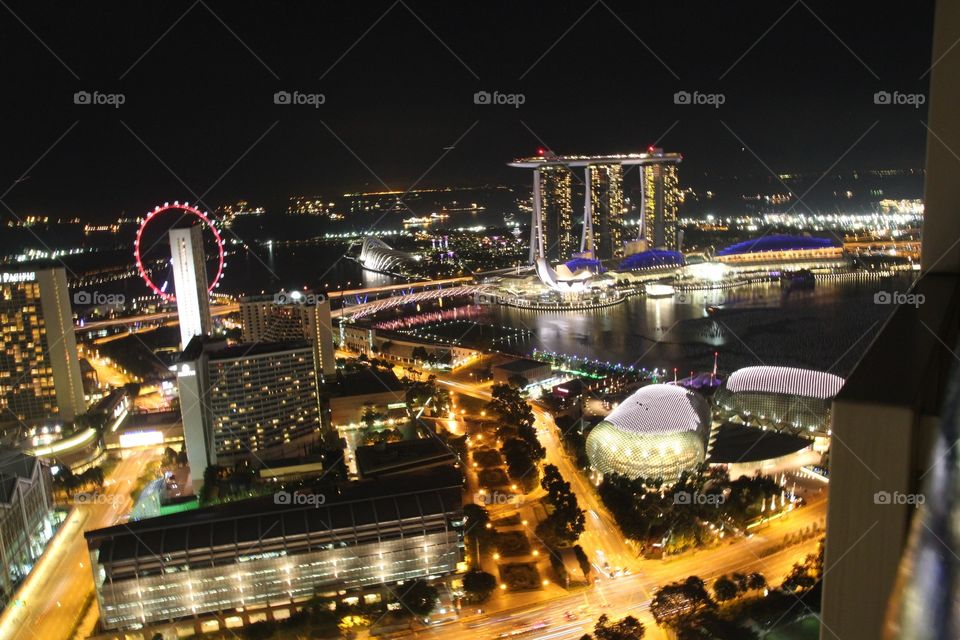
{"x": 275, "y": 551}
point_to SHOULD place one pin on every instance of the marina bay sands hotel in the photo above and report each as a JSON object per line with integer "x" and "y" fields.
{"x": 604, "y": 207}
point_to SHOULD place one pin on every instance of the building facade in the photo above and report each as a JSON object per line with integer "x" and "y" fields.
{"x": 661, "y": 198}
{"x": 246, "y": 401}
{"x": 290, "y": 317}
{"x": 783, "y": 398}
{"x": 39, "y": 368}
{"x": 26, "y": 507}
{"x": 261, "y": 553}
{"x": 607, "y": 209}
{"x": 190, "y": 283}
{"x": 556, "y": 206}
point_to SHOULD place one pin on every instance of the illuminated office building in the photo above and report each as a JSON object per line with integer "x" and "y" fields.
{"x": 289, "y": 317}
{"x": 39, "y": 369}
{"x": 246, "y": 401}
{"x": 661, "y": 197}
{"x": 606, "y": 204}
{"x": 269, "y": 555}
{"x": 190, "y": 283}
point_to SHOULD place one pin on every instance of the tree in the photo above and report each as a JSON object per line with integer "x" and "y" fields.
{"x": 371, "y": 416}
{"x": 419, "y": 354}
{"x": 259, "y": 630}
{"x": 475, "y": 515}
{"x": 725, "y": 589}
{"x": 680, "y": 601}
{"x": 518, "y": 381}
{"x": 628, "y": 628}
{"x": 419, "y": 597}
{"x": 169, "y": 456}
{"x": 582, "y": 558}
{"x": 520, "y": 461}
{"x": 756, "y": 581}
{"x": 480, "y": 584}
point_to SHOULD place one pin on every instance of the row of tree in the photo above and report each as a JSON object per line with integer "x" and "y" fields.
{"x": 689, "y": 512}
{"x": 689, "y": 610}
{"x": 521, "y": 448}
{"x": 565, "y": 521}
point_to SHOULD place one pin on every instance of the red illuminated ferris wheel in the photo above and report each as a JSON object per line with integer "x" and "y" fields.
{"x": 185, "y": 210}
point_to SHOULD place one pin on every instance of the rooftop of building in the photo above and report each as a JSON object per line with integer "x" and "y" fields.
{"x": 365, "y": 381}
{"x": 30, "y": 265}
{"x": 14, "y": 466}
{"x": 660, "y": 409}
{"x": 736, "y": 443}
{"x": 218, "y": 349}
{"x": 394, "y": 456}
{"x": 786, "y": 381}
{"x": 651, "y": 156}
{"x": 779, "y": 243}
{"x": 254, "y": 521}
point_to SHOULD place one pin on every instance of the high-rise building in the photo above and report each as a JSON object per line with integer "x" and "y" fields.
{"x": 556, "y": 212}
{"x": 39, "y": 369}
{"x": 26, "y": 509}
{"x": 661, "y": 197}
{"x": 288, "y": 317}
{"x": 190, "y": 283}
{"x": 607, "y": 209}
{"x": 551, "y": 229}
{"x": 247, "y": 401}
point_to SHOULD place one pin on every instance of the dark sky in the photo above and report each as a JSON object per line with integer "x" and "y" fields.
{"x": 399, "y": 81}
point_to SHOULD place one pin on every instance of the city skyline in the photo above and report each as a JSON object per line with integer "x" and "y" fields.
{"x": 591, "y": 321}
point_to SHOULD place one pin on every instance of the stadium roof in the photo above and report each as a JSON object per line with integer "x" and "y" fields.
{"x": 660, "y": 409}
{"x": 785, "y": 380}
{"x": 778, "y": 243}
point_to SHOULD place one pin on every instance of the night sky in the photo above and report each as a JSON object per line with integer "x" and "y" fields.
{"x": 199, "y": 119}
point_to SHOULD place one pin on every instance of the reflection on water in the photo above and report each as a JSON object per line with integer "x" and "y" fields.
{"x": 825, "y": 328}
{"x": 322, "y": 267}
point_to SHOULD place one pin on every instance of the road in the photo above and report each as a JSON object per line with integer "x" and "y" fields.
{"x": 629, "y": 595}
{"x": 60, "y": 585}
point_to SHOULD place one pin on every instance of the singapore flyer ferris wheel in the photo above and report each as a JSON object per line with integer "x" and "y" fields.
{"x": 185, "y": 210}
